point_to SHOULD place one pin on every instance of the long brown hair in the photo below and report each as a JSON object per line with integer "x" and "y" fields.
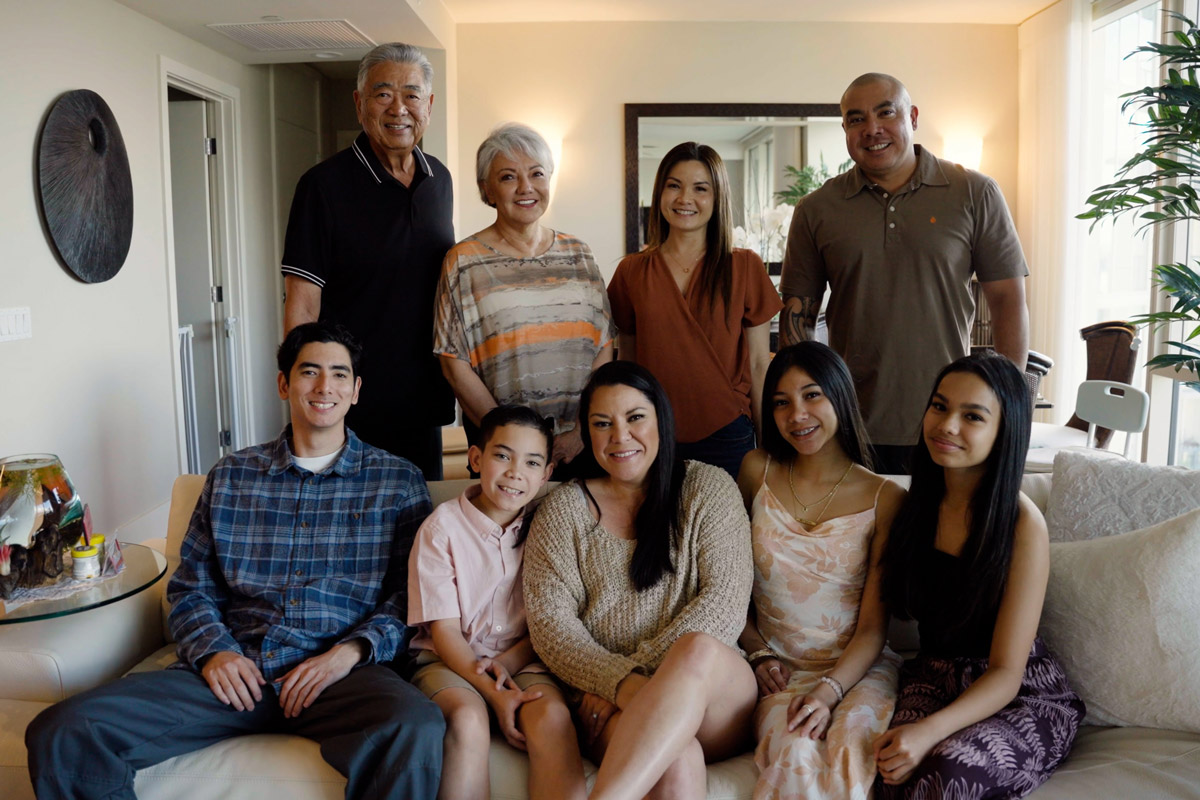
{"x": 716, "y": 276}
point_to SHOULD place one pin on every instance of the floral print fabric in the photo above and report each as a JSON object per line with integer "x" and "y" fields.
{"x": 807, "y": 587}
{"x": 1007, "y": 755}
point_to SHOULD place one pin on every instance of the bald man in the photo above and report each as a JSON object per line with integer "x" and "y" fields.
{"x": 897, "y": 240}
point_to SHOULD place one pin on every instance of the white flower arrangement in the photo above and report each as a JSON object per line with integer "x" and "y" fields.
{"x": 766, "y": 233}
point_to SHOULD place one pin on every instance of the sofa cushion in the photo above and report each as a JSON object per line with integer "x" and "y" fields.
{"x": 15, "y": 716}
{"x": 1127, "y": 763}
{"x": 1127, "y": 600}
{"x": 253, "y": 767}
{"x": 1091, "y": 497}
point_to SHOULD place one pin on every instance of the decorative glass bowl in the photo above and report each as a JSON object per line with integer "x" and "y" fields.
{"x": 40, "y": 515}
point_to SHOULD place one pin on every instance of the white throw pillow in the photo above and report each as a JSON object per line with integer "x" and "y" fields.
{"x": 1122, "y": 615}
{"x": 1092, "y": 497}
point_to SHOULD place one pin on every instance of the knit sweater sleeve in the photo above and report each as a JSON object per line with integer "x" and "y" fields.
{"x": 714, "y": 516}
{"x": 555, "y": 597}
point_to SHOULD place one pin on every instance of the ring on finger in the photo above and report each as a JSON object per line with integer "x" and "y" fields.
{"x": 807, "y": 708}
{"x": 773, "y": 669}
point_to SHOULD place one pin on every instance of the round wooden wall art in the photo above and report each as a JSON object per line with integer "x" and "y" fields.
{"x": 86, "y": 189}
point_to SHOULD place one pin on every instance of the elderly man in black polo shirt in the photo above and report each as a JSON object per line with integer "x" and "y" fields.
{"x": 364, "y": 247}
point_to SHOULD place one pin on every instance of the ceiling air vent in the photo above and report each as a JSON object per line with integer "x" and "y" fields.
{"x": 304, "y": 34}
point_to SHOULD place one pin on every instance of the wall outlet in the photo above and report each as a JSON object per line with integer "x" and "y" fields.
{"x": 15, "y": 323}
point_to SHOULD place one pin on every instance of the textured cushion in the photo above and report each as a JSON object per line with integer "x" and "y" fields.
{"x": 1090, "y": 497}
{"x": 1121, "y": 614}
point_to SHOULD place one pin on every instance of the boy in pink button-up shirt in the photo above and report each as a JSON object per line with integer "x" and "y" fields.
{"x": 473, "y": 650}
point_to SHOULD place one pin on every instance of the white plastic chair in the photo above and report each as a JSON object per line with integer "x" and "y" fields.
{"x": 1101, "y": 404}
{"x": 1108, "y": 404}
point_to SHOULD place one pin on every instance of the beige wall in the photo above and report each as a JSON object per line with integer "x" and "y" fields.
{"x": 571, "y": 80}
{"x": 95, "y": 383}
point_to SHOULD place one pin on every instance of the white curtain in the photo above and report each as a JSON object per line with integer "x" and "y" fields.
{"x": 1051, "y": 58}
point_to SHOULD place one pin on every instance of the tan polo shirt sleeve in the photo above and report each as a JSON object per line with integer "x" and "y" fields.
{"x": 803, "y": 267}
{"x": 996, "y": 252}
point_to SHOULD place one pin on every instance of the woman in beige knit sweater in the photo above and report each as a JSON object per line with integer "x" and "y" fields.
{"x": 636, "y": 587}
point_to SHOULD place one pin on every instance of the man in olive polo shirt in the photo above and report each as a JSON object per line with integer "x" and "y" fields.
{"x": 897, "y": 240}
{"x": 365, "y": 241}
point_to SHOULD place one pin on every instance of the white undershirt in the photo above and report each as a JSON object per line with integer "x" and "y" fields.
{"x": 317, "y": 464}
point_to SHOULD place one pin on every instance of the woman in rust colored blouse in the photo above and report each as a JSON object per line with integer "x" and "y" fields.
{"x": 695, "y": 311}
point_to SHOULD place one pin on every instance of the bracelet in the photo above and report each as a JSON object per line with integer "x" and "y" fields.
{"x": 834, "y": 684}
{"x": 765, "y": 652}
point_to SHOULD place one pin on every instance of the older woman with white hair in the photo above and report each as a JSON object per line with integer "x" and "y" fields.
{"x": 522, "y": 315}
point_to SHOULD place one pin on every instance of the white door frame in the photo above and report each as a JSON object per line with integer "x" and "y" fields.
{"x": 229, "y": 246}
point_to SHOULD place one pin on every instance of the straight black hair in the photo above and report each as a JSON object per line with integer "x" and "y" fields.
{"x": 319, "y": 331}
{"x": 657, "y": 521}
{"x": 828, "y": 371}
{"x": 993, "y": 511}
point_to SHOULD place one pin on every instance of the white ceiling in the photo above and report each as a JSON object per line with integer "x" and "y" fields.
{"x": 401, "y": 20}
{"x": 993, "y": 12}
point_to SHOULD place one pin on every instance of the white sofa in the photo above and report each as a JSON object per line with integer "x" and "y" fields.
{"x": 69, "y": 654}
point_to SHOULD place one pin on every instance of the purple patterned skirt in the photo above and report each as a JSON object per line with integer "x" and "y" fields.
{"x": 1007, "y": 755}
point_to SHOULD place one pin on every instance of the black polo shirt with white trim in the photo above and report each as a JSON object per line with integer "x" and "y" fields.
{"x": 375, "y": 248}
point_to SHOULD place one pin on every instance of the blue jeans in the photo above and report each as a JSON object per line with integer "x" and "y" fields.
{"x": 725, "y": 448}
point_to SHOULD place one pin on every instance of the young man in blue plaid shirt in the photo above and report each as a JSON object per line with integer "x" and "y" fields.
{"x": 289, "y": 595}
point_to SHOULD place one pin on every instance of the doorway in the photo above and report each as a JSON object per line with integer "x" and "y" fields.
{"x": 207, "y": 332}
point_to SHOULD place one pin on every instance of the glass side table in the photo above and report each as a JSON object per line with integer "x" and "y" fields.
{"x": 144, "y": 566}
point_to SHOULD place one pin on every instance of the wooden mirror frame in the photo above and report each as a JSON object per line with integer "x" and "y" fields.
{"x": 635, "y": 111}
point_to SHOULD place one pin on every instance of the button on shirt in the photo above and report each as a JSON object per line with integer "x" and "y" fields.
{"x": 280, "y": 564}
{"x": 463, "y": 565}
{"x": 899, "y": 267}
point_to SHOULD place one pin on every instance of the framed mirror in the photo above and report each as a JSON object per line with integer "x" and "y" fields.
{"x": 757, "y": 142}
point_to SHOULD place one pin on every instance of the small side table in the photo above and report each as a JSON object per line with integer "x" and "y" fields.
{"x": 51, "y": 649}
{"x": 144, "y": 566}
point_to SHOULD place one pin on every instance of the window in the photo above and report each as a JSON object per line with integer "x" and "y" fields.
{"x": 1117, "y": 255}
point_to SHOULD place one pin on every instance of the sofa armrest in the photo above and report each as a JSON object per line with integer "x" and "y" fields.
{"x": 48, "y": 660}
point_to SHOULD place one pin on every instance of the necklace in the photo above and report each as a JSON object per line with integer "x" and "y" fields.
{"x": 670, "y": 258}
{"x": 827, "y": 499}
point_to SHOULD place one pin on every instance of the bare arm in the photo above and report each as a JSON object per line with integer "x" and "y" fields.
{"x": 489, "y": 676}
{"x": 870, "y": 633}
{"x": 798, "y": 319}
{"x": 901, "y": 749}
{"x": 472, "y": 395}
{"x": 759, "y": 339}
{"x": 1010, "y": 318}
{"x": 569, "y": 444}
{"x": 301, "y": 303}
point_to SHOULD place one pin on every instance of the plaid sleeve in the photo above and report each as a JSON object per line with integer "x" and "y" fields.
{"x": 197, "y": 592}
{"x": 385, "y": 630}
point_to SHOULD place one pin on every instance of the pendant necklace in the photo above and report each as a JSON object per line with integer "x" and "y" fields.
{"x": 670, "y": 258}
{"x": 827, "y": 499}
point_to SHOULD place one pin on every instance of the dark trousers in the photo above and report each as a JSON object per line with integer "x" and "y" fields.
{"x": 891, "y": 459}
{"x": 724, "y": 448}
{"x": 374, "y": 727}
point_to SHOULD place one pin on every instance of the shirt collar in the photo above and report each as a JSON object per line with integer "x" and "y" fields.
{"x": 347, "y": 464}
{"x": 928, "y": 172}
{"x": 364, "y": 153}
{"x": 480, "y": 522}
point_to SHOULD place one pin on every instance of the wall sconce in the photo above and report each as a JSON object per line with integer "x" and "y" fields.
{"x": 965, "y": 150}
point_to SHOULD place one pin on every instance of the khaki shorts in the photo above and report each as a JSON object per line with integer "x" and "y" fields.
{"x": 431, "y": 675}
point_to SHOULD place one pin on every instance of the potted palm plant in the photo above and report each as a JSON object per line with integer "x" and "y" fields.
{"x": 1161, "y": 183}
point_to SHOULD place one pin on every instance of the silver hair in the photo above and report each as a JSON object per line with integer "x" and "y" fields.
{"x": 396, "y": 53}
{"x": 510, "y": 138}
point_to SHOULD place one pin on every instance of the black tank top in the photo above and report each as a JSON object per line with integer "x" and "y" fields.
{"x": 938, "y": 598}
